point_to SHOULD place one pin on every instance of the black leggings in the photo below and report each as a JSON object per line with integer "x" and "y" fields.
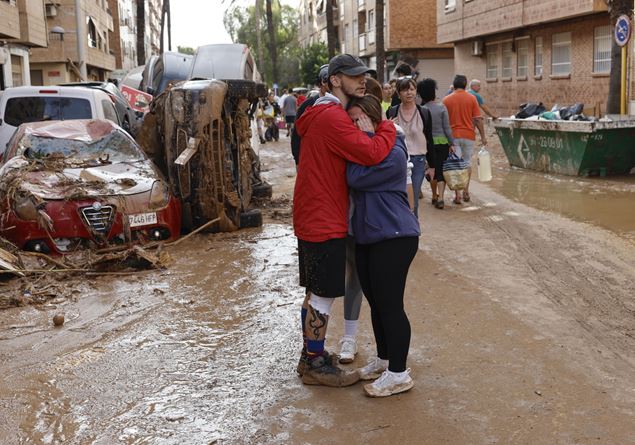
{"x": 383, "y": 268}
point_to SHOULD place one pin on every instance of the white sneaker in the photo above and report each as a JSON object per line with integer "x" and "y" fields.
{"x": 389, "y": 383}
{"x": 373, "y": 369}
{"x": 348, "y": 349}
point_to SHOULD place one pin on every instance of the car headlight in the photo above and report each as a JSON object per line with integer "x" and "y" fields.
{"x": 25, "y": 208}
{"x": 159, "y": 195}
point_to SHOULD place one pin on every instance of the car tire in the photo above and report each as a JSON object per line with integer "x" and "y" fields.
{"x": 251, "y": 218}
{"x": 263, "y": 190}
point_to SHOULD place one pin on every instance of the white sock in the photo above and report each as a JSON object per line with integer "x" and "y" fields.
{"x": 399, "y": 375}
{"x": 350, "y": 328}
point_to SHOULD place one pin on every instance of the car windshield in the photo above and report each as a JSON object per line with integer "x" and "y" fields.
{"x": 114, "y": 147}
{"x": 45, "y": 108}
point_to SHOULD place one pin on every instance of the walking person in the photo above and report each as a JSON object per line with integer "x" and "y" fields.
{"x": 387, "y": 92}
{"x": 474, "y": 90}
{"x": 464, "y": 114}
{"x": 442, "y": 139}
{"x": 289, "y": 110}
{"x": 320, "y": 207}
{"x": 416, "y": 123}
{"x": 387, "y": 238}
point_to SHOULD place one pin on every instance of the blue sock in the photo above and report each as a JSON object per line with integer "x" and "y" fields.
{"x": 314, "y": 348}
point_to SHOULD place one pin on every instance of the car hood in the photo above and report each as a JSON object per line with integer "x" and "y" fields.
{"x": 103, "y": 180}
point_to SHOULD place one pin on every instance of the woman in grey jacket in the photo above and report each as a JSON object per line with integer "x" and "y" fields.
{"x": 441, "y": 137}
{"x": 387, "y": 238}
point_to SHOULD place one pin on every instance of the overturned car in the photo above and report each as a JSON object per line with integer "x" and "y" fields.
{"x": 67, "y": 185}
{"x": 199, "y": 133}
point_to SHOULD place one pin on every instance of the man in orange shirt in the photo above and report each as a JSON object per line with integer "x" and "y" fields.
{"x": 464, "y": 114}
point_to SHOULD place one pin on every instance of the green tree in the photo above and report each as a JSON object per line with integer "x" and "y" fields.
{"x": 185, "y": 49}
{"x": 241, "y": 25}
{"x": 311, "y": 59}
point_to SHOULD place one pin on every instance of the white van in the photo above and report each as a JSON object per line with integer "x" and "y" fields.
{"x": 33, "y": 104}
{"x": 224, "y": 61}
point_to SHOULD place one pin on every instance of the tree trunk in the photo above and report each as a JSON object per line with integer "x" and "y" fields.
{"x": 380, "y": 50}
{"x": 273, "y": 50}
{"x": 331, "y": 38}
{"x": 141, "y": 32}
{"x": 260, "y": 49}
{"x": 616, "y": 8}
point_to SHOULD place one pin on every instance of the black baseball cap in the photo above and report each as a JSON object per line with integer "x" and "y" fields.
{"x": 323, "y": 74}
{"x": 349, "y": 65}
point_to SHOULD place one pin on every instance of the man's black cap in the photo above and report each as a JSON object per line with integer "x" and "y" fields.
{"x": 349, "y": 65}
{"x": 323, "y": 74}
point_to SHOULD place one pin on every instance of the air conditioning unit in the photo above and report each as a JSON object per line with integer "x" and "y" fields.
{"x": 51, "y": 10}
{"x": 477, "y": 48}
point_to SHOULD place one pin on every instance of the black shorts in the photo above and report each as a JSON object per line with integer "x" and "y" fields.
{"x": 289, "y": 119}
{"x": 323, "y": 267}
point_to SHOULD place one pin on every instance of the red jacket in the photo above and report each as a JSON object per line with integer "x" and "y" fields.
{"x": 329, "y": 139}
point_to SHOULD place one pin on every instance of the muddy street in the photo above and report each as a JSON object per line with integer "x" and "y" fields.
{"x": 521, "y": 305}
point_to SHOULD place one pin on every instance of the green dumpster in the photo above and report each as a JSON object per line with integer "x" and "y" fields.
{"x": 570, "y": 147}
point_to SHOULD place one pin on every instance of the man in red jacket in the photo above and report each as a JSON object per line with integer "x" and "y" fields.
{"x": 320, "y": 206}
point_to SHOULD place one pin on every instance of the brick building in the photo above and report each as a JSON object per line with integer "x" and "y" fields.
{"x": 22, "y": 27}
{"x": 546, "y": 51}
{"x": 409, "y": 33}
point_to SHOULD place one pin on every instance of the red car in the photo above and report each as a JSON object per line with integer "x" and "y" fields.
{"x": 67, "y": 185}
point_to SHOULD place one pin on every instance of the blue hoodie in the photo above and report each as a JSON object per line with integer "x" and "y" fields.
{"x": 381, "y": 209}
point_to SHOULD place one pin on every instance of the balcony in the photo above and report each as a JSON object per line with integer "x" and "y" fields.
{"x": 361, "y": 5}
{"x": 9, "y": 21}
{"x": 371, "y": 37}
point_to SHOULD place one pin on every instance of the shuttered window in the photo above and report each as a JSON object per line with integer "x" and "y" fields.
{"x": 561, "y": 54}
{"x": 508, "y": 60}
{"x": 522, "y": 52}
{"x": 492, "y": 61}
{"x": 602, "y": 49}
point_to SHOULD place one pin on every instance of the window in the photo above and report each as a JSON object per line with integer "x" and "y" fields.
{"x": 492, "y": 61}
{"x": 92, "y": 33}
{"x": 19, "y": 110}
{"x": 450, "y": 5}
{"x": 370, "y": 23}
{"x": 508, "y": 60}
{"x": 602, "y": 49}
{"x": 538, "y": 57}
{"x": 561, "y": 54}
{"x": 109, "y": 111}
{"x": 522, "y": 52}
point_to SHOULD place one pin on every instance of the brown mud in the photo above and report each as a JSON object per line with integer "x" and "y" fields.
{"x": 523, "y": 333}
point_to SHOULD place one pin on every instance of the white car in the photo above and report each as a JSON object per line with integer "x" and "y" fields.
{"x": 20, "y": 105}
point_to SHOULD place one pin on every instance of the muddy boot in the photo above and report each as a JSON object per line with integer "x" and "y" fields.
{"x": 320, "y": 372}
{"x": 304, "y": 361}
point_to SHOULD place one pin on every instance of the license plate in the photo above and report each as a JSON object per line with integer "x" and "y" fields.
{"x": 142, "y": 219}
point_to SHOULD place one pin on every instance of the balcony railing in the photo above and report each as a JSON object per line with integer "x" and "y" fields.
{"x": 371, "y": 37}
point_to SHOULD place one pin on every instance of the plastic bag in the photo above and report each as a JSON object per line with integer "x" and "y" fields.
{"x": 455, "y": 172}
{"x": 530, "y": 109}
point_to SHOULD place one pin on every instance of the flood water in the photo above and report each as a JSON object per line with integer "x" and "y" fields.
{"x": 605, "y": 202}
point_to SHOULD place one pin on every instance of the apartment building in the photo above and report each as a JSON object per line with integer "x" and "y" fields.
{"x": 22, "y": 27}
{"x": 60, "y": 62}
{"x": 550, "y": 51}
{"x": 409, "y": 33}
{"x": 123, "y": 39}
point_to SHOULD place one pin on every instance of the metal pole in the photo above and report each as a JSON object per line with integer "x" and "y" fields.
{"x": 81, "y": 39}
{"x": 623, "y": 91}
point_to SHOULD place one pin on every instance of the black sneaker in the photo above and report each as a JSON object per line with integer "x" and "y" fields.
{"x": 319, "y": 371}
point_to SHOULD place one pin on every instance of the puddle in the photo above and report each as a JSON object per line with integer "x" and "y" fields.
{"x": 605, "y": 202}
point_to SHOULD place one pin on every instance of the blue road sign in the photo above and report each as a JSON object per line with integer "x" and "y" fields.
{"x": 622, "y": 30}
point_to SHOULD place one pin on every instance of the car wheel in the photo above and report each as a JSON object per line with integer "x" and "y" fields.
{"x": 250, "y": 218}
{"x": 263, "y": 190}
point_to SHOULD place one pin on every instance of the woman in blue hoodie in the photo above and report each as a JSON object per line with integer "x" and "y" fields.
{"x": 386, "y": 234}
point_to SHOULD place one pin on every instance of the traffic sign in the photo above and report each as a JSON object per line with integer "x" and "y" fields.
{"x": 622, "y": 30}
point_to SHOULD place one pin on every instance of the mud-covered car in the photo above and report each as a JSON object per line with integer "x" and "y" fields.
{"x": 67, "y": 185}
